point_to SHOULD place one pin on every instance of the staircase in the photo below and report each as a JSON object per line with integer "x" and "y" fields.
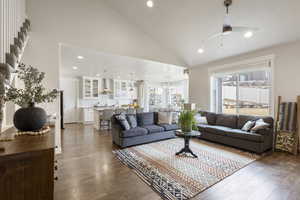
{"x": 14, "y": 31}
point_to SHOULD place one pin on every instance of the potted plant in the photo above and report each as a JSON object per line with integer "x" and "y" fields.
{"x": 29, "y": 117}
{"x": 187, "y": 121}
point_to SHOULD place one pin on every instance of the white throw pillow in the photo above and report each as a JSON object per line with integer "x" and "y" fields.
{"x": 175, "y": 117}
{"x": 260, "y": 125}
{"x": 248, "y": 125}
{"x": 164, "y": 117}
{"x": 200, "y": 120}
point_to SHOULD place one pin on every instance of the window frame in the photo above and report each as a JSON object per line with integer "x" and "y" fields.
{"x": 214, "y": 103}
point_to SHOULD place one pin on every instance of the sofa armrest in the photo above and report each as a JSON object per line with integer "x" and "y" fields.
{"x": 266, "y": 132}
{"x": 116, "y": 131}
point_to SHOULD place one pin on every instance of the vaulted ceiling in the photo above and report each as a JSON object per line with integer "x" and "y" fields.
{"x": 182, "y": 25}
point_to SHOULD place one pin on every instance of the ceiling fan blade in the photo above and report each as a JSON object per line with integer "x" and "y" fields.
{"x": 214, "y": 36}
{"x": 243, "y": 29}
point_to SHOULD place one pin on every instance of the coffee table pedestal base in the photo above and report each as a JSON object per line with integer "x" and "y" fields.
{"x": 186, "y": 148}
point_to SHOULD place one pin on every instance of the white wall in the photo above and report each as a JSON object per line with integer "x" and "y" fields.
{"x": 87, "y": 24}
{"x": 286, "y": 73}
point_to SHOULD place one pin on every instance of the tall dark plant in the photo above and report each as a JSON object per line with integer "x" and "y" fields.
{"x": 33, "y": 90}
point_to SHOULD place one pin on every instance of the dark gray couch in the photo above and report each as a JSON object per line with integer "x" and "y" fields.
{"x": 148, "y": 130}
{"x": 226, "y": 129}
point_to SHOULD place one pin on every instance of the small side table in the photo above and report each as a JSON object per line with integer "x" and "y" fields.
{"x": 187, "y": 136}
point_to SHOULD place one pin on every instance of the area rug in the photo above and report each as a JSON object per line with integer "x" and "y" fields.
{"x": 183, "y": 177}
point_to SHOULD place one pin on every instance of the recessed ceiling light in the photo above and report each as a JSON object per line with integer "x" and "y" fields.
{"x": 201, "y": 50}
{"x": 80, "y": 57}
{"x": 248, "y": 34}
{"x": 75, "y": 68}
{"x": 150, "y": 3}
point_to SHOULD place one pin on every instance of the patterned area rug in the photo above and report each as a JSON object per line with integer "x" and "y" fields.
{"x": 183, "y": 177}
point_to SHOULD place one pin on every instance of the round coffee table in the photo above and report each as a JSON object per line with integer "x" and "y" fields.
{"x": 187, "y": 136}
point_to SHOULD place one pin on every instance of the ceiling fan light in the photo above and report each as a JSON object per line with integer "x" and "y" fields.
{"x": 248, "y": 34}
{"x": 150, "y": 3}
{"x": 227, "y": 29}
{"x": 200, "y": 50}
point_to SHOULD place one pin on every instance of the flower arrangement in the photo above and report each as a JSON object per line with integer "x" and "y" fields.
{"x": 33, "y": 91}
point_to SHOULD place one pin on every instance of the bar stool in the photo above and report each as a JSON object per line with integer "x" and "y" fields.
{"x": 120, "y": 110}
{"x": 130, "y": 111}
{"x": 139, "y": 110}
{"x": 105, "y": 119}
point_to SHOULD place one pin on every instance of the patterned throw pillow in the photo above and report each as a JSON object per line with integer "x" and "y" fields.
{"x": 200, "y": 120}
{"x": 123, "y": 121}
{"x": 164, "y": 118}
{"x": 248, "y": 126}
{"x": 132, "y": 120}
{"x": 260, "y": 125}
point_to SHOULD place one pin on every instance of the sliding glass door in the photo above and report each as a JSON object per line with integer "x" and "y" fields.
{"x": 246, "y": 92}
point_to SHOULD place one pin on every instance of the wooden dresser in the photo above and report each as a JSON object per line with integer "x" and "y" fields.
{"x": 27, "y": 168}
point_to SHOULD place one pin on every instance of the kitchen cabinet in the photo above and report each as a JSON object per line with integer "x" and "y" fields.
{"x": 88, "y": 115}
{"x": 124, "y": 89}
{"x": 90, "y": 88}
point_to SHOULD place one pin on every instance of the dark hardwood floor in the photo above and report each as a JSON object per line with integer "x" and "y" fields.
{"x": 88, "y": 170}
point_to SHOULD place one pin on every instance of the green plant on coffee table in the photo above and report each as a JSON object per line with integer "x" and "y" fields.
{"x": 33, "y": 91}
{"x": 187, "y": 121}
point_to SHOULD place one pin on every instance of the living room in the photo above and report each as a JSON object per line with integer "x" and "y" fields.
{"x": 193, "y": 100}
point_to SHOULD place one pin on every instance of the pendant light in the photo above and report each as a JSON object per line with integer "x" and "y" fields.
{"x": 105, "y": 87}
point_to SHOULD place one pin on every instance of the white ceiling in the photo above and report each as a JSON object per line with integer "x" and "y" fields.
{"x": 181, "y": 25}
{"x": 117, "y": 67}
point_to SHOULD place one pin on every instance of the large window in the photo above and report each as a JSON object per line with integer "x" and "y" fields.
{"x": 245, "y": 92}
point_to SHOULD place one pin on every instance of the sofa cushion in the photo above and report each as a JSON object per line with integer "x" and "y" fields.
{"x": 154, "y": 128}
{"x": 260, "y": 125}
{"x": 122, "y": 120}
{"x": 221, "y": 130}
{"x": 210, "y": 116}
{"x": 243, "y": 119}
{"x": 169, "y": 127}
{"x": 201, "y": 127}
{"x": 137, "y": 131}
{"x": 213, "y": 129}
{"x": 237, "y": 133}
{"x": 200, "y": 119}
{"x": 248, "y": 126}
{"x": 227, "y": 120}
{"x": 164, "y": 118}
{"x": 131, "y": 118}
{"x": 268, "y": 120}
{"x": 145, "y": 119}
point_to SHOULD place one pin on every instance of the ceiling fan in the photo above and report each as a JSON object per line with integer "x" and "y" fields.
{"x": 228, "y": 28}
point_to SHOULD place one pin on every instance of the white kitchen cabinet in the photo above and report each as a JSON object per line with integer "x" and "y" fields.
{"x": 88, "y": 115}
{"x": 124, "y": 89}
{"x": 90, "y": 88}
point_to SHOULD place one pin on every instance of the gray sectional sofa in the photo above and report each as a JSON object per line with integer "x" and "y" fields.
{"x": 226, "y": 129}
{"x": 148, "y": 130}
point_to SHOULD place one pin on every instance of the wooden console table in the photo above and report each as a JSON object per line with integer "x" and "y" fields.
{"x": 27, "y": 168}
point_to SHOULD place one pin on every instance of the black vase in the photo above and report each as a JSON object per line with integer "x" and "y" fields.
{"x": 30, "y": 118}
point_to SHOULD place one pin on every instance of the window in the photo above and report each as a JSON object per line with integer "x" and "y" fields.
{"x": 244, "y": 92}
{"x": 155, "y": 96}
